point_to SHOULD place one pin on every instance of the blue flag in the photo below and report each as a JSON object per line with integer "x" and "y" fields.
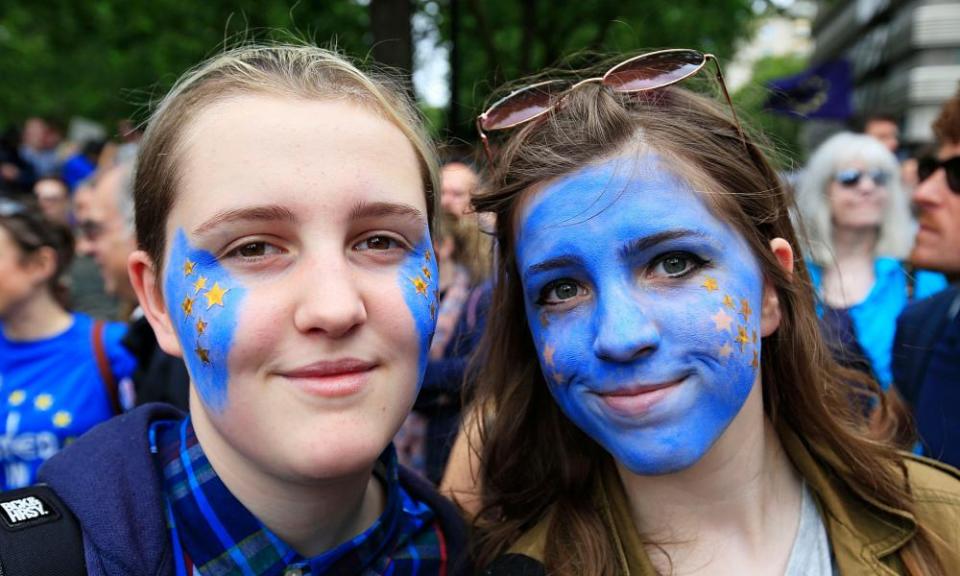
{"x": 824, "y": 91}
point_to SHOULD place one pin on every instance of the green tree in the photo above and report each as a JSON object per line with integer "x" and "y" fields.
{"x": 106, "y": 59}
{"x": 496, "y": 41}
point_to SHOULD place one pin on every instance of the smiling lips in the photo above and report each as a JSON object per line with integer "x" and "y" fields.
{"x": 332, "y": 378}
{"x": 638, "y": 400}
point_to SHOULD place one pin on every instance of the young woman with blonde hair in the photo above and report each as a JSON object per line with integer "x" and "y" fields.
{"x": 284, "y": 204}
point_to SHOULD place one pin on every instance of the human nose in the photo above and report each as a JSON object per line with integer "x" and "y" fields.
{"x": 927, "y": 192}
{"x": 329, "y": 300}
{"x": 625, "y": 329}
{"x": 84, "y": 245}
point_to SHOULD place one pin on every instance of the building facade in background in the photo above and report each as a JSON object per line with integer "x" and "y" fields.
{"x": 905, "y": 56}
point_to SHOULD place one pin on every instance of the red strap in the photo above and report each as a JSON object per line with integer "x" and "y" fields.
{"x": 103, "y": 365}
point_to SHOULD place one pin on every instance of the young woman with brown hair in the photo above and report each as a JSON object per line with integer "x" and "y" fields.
{"x": 661, "y": 399}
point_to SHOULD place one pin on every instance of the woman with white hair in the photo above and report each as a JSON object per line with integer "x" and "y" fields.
{"x": 857, "y": 218}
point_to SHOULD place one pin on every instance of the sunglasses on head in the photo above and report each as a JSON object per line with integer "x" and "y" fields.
{"x": 951, "y": 166}
{"x": 637, "y": 74}
{"x": 851, "y": 177}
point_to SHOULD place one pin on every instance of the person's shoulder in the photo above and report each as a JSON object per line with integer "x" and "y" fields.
{"x": 936, "y": 492}
{"x": 525, "y": 557}
{"x": 929, "y": 308}
{"x": 929, "y": 476}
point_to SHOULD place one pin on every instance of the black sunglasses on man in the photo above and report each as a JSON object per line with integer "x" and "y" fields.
{"x": 928, "y": 165}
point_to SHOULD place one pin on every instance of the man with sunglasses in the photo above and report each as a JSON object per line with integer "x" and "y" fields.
{"x": 926, "y": 357}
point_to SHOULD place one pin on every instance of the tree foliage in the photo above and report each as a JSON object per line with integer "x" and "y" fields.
{"x": 106, "y": 59}
{"x": 502, "y": 40}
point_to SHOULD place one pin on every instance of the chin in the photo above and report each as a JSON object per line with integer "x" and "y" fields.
{"x": 337, "y": 458}
{"x": 661, "y": 463}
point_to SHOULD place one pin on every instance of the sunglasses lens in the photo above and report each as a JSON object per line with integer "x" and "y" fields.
{"x": 879, "y": 177}
{"x": 848, "y": 178}
{"x": 952, "y": 167}
{"x": 926, "y": 166}
{"x": 522, "y": 105}
{"x": 654, "y": 70}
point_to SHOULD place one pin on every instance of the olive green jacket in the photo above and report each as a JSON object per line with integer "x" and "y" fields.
{"x": 865, "y": 536}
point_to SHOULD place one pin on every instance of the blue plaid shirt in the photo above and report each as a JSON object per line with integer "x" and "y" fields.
{"x": 213, "y": 534}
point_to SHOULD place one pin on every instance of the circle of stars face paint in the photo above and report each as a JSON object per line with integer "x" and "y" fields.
{"x": 654, "y": 348}
{"x": 207, "y": 298}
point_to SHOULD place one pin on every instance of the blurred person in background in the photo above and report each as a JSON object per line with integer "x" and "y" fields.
{"x": 858, "y": 221}
{"x": 108, "y": 235}
{"x": 458, "y": 183}
{"x": 463, "y": 260}
{"x": 82, "y": 164}
{"x": 107, "y": 231}
{"x": 58, "y": 370}
{"x": 16, "y": 174}
{"x": 87, "y": 293}
{"x": 53, "y": 196}
{"x": 926, "y": 357}
{"x": 39, "y": 145}
{"x": 884, "y": 128}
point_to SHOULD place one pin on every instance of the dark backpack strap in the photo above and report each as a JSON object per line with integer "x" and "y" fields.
{"x": 39, "y": 535}
{"x": 103, "y": 365}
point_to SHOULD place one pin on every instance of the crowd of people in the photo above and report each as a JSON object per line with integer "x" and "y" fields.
{"x": 280, "y": 333}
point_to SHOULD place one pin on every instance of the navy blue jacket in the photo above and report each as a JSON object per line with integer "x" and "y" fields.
{"x": 926, "y": 371}
{"x": 110, "y": 482}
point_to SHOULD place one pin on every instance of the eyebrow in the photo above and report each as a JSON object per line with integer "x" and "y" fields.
{"x": 365, "y": 210}
{"x": 638, "y": 245}
{"x": 268, "y": 213}
{"x": 551, "y": 264}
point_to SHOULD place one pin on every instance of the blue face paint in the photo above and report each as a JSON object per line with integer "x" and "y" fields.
{"x": 631, "y": 284}
{"x": 203, "y": 300}
{"x": 418, "y": 281}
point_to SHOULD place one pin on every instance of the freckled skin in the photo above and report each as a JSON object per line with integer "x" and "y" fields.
{"x": 630, "y": 323}
{"x": 185, "y": 268}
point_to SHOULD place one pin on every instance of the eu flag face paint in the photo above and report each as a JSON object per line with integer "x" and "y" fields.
{"x": 203, "y": 300}
{"x": 644, "y": 308}
{"x": 418, "y": 279}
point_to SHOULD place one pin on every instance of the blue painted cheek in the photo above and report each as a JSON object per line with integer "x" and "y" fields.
{"x": 203, "y": 300}
{"x": 419, "y": 283}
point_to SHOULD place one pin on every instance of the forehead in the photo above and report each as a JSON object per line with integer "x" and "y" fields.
{"x": 631, "y": 195}
{"x": 307, "y": 154}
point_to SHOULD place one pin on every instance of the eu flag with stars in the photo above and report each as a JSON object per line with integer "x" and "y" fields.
{"x": 823, "y": 91}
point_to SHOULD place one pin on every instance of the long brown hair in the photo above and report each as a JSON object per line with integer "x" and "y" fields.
{"x": 534, "y": 459}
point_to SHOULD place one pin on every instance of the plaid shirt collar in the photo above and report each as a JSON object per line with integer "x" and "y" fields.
{"x": 217, "y": 535}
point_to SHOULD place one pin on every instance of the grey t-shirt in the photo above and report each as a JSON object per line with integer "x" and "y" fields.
{"x": 811, "y": 554}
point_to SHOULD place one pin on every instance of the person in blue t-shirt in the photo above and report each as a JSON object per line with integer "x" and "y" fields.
{"x": 857, "y": 218}
{"x": 58, "y": 370}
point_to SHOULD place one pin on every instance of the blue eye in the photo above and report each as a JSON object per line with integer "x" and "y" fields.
{"x": 561, "y": 291}
{"x": 676, "y": 265}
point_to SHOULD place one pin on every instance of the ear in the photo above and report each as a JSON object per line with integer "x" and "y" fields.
{"x": 42, "y": 264}
{"x": 770, "y": 312}
{"x": 146, "y": 282}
